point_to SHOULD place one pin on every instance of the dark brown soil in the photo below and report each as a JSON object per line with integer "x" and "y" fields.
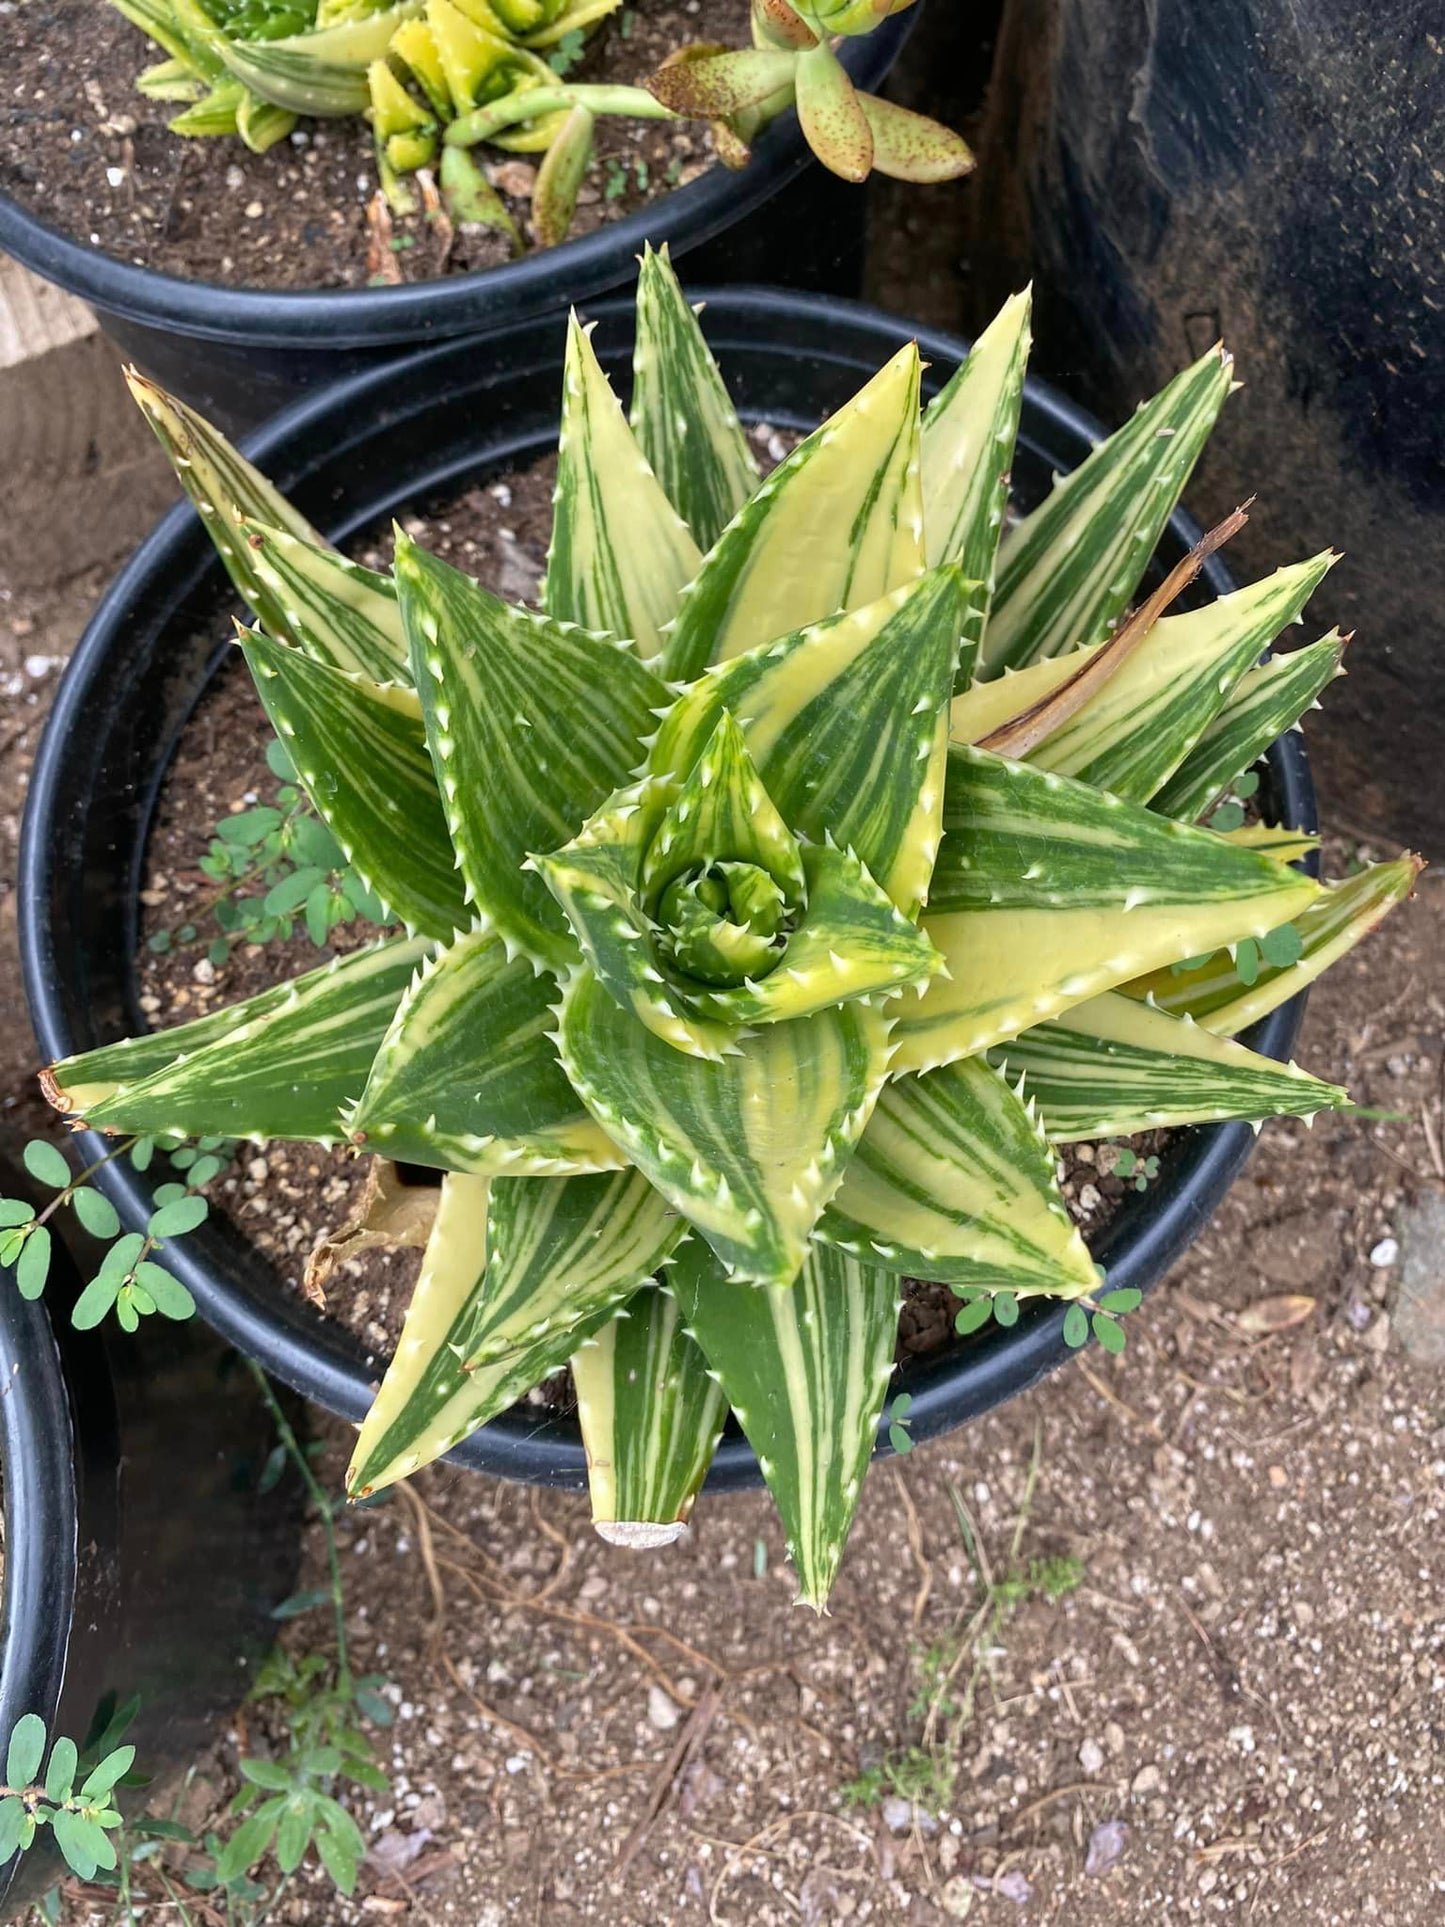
{"x": 91, "y": 156}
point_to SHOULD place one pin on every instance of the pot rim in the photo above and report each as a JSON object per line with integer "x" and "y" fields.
{"x": 339, "y": 318}
{"x": 321, "y": 1358}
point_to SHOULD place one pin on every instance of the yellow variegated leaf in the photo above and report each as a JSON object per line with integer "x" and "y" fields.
{"x": 954, "y": 1180}
{"x": 620, "y": 554}
{"x": 1047, "y": 892}
{"x": 836, "y": 525}
{"x": 1285, "y": 846}
{"x": 336, "y": 611}
{"x": 1112, "y": 1066}
{"x": 651, "y": 1416}
{"x": 466, "y": 1077}
{"x": 317, "y": 73}
{"x": 749, "y": 1148}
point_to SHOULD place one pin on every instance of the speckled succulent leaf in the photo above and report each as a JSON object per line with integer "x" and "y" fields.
{"x": 806, "y": 1371}
{"x": 850, "y": 16}
{"x": 620, "y": 553}
{"x": 749, "y": 1148}
{"x": 531, "y": 724}
{"x": 846, "y": 722}
{"x": 1067, "y": 572}
{"x": 775, "y": 23}
{"x": 1266, "y": 702}
{"x": 1113, "y": 1066}
{"x": 954, "y": 1180}
{"x": 682, "y": 415}
{"x": 969, "y": 432}
{"x": 831, "y": 114}
{"x": 1135, "y": 730}
{"x": 428, "y": 1402}
{"x": 360, "y": 754}
{"x": 910, "y": 147}
{"x": 283, "y": 1064}
{"x": 651, "y": 1416}
{"x": 720, "y": 85}
{"x": 1217, "y": 997}
{"x": 334, "y": 611}
{"x": 466, "y": 1077}
{"x": 560, "y": 177}
{"x": 321, "y": 74}
{"x": 836, "y": 525}
{"x": 224, "y": 488}
{"x": 1047, "y": 892}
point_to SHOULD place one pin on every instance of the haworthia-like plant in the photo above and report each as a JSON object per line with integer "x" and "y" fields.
{"x": 744, "y": 975}
{"x": 439, "y": 78}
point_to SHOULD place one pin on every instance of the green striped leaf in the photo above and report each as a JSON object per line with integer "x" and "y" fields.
{"x": 1111, "y": 1067}
{"x": 1267, "y": 702}
{"x": 954, "y": 1180}
{"x": 1217, "y": 997}
{"x": 317, "y": 73}
{"x": 682, "y": 415}
{"x": 467, "y": 1077}
{"x": 806, "y": 1371}
{"x": 1285, "y": 846}
{"x": 651, "y": 1417}
{"x": 360, "y": 754}
{"x": 1142, "y": 723}
{"x": 846, "y": 722}
{"x": 1068, "y": 571}
{"x": 750, "y": 1148}
{"x": 225, "y": 490}
{"x": 620, "y": 552}
{"x": 558, "y": 1249}
{"x": 1047, "y": 892}
{"x": 283, "y": 1064}
{"x": 835, "y": 526}
{"x": 429, "y": 1402}
{"x": 969, "y": 432}
{"x": 532, "y": 723}
{"x": 155, "y": 18}
{"x": 335, "y": 611}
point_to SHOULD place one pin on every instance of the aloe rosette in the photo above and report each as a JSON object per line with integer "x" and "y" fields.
{"x": 776, "y": 897}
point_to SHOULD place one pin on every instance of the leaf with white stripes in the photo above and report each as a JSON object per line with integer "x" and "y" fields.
{"x": 532, "y": 724}
{"x": 953, "y": 1180}
{"x": 322, "y": 72}
{"x": 620, "y": 553}
{"x": 651, "y": 1416}
{"x": 283, "y": 1064}
{"x": 969, "y": 432}
{"x": 225, "y": 490}
{"x": 1215, "y": 994}
{"x": 836, "y": 525}
{"x": 1267, "y": 702}
{"x": 429, "y": 1402}
{"x": 749, "y": 1148}
{"x": 360, "y": 754}
{"x": 682, "y": 415}
{"x": 846, "y": 722}
{"x": 1047, "y": 892}
{"x": 1113, "y": 1066}
{"x": 558, "y": 1248}
{"x": 336, "y": 611}
{"x": 1067, "y": 572}
{"x": 806, "y": 1370}
{"x": 466, "y": 1077}
{"x": 1141, "y": 724}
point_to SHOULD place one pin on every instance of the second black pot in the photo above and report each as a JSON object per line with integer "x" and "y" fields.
{"x": 360, "y": 454}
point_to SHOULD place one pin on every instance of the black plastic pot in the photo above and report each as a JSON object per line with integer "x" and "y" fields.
{"x": 1267, "y": 172}
{"x": 240, "y": 354}
{"x": 350, "y": 460}
{"x": 140, "y": 1559}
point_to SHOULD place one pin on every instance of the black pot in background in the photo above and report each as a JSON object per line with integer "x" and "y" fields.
{"x": 1268, "y": 172}
{"x": 350, "y": 460}
{"x": 140, "y": 1559}
{"x": 240, "y": 354}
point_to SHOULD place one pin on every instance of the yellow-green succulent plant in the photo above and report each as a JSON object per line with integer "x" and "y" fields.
{"x": 777, "y": 895}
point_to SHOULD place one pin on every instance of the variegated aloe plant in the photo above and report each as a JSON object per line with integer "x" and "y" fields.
{"x": 777, "y": 896}
{"x": 438, "y": 78}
